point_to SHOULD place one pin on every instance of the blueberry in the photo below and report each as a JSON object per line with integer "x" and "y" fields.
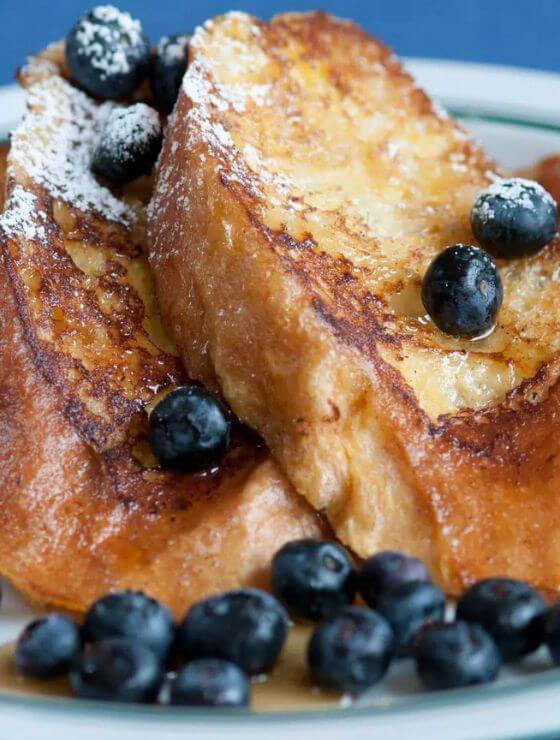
{"x": 131, "y": 614}
{"x": 129, "y": 144}
{"x": 209, "y": 682}
{"x": 449, "y": 656}
{"x": 551, "y": 624}
{"x": 313, "y": 578}
{"x": 47, "y": 647}
{"x": 247, "y": 627}
{"x": 168, "y": 69}
{"x": 189, "y": 429}
{"x": 510, "y": 611}
{"x": 386, "y": 570}
{"x": 351, "y": 651}
{"x": 117, "y": 669}
{"x": 408, "y": 607}
{"x": 107, "y": 53}
{"x": 462, "y": 291}
{"x": 514, "y": 218}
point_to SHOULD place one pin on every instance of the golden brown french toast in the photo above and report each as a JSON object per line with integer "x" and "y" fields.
{"x": 304, "y": 186}
{"x": 83, "y": 358}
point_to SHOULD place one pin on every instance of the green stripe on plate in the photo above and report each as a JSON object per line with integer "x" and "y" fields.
{"x": 471, "y": 115}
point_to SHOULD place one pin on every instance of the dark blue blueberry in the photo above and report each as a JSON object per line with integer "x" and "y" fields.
{"x": 514, "y": 218}
{"x": 47, "y": 647}
{"x": 189, "y": 430}
{"x": 168, "y": 69}
{"x": 462, "y": 291}
{"x": 510, "y": 611}
{"x": 107, "y": 53}
{"x": 117, "y": 669}
{"x": 131, "y": 614}
{"x": 386, "y": 570}
{"x": 351, "y": 651}
{"x": 408, "y": 607}
{"x": 449, "y": 656}
{"x": 247, "y": 627}
{"x": 129, "y": 144}
{"x": 209, "y": 682}
{"x": 313, "y": 578}
{"x": 551, "y": 630}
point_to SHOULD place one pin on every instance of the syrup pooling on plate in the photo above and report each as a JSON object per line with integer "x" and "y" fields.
{"x": 287, "y": 688}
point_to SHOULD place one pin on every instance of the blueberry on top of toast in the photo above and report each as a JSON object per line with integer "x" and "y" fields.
{"x": 168, "y": 69}
{"x": 514, "y": 218}
{"x": 108, "y": 53}
{"x": 129, "y": 144}
{"x": 189, "y": 429}
{"x": 462, "y": 291}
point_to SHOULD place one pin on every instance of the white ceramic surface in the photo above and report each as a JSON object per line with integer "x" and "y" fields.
{"x": 516, "y": 115}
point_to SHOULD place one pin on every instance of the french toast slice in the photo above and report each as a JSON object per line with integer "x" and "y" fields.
{"x": 304, "y": 186}
{"x": 83, "y": 357}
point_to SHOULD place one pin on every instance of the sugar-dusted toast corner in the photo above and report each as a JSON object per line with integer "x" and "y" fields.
{"x": 304, "y": 186}
{"x": 83, "y": 358}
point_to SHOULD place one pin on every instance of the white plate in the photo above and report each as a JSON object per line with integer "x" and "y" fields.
{"x": 515, "y": 113}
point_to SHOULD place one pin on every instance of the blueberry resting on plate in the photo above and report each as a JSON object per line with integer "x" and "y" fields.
{"x": 189, "y": 429}
{"x": 462, "y": 291}
{"x": 514, "y": 218}
{"x": 552, "y": 633}
{"x": 130, "y": 614}
{"x": 408, "y": 607}
{"x": 387, "y": 569}
{"x": 313, "y": 578}
{"x": 117, "y": 669}
{"x": 168, "y": 70}
{"x": 512, "y": 612}
{"x": 129, "y": 144}
{"x": 47, "y": 647}
{"x": 351, "y": 651}
{"x": 450, "y": 656}
{"x": 247, "y": 627}
{"x": 107, "y": 53}
{"x": 209, "y": 682}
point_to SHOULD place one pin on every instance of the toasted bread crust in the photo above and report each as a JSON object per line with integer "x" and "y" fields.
{"x": 405, "y": 438}
{"x": 83, "y": 356}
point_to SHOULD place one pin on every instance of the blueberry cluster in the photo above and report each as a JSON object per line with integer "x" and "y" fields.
{"x": 129, "y": 648}
{"x": 462, "y": 290}
{"x": 109, "y": 56}
{"x": 128, "y": 643}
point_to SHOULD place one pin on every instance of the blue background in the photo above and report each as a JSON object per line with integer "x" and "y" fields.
{"x": 519, "y": 32}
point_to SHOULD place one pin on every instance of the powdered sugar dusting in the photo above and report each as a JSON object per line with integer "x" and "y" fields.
{"x": 97, "y": 33}
{"x": 513, "y": 193}
{"x": 221, "y": 96}
{"x": 138, "y": 122}
{"x": 173, "y": 48}
{"x": 203, "y": 122}
{"x": 22, "y": 215}
{"x": 54, "y": 147}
